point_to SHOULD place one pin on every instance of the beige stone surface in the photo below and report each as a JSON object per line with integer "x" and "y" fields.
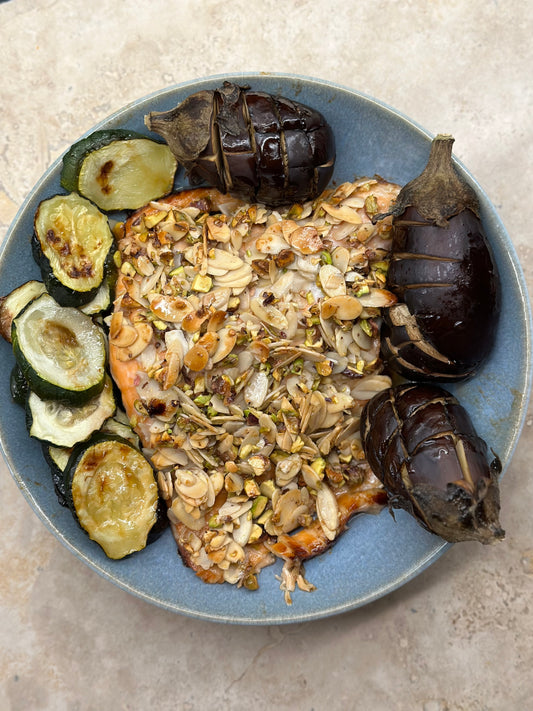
{"x": 459, "y": 636}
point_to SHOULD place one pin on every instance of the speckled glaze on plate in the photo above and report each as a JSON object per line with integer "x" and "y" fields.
{"x": 377, "y": 554}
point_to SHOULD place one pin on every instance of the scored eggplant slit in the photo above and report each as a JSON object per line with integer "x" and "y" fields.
{"x": 265, "y": 148}
{"x": 444, "y": 275}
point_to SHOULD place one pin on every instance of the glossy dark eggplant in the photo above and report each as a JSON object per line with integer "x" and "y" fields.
{"x": 262, "y": 147}
{"x": 444, "y": 275}
{"x": 422, "y": 445}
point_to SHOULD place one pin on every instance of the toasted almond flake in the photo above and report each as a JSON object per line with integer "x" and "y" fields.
{"x": 196, "y": 358}
{"x": 227, "y": 338}
{"x": 236, "y": 277}
{"x": 327, "y": 511}
{"x": 272, "y": 240}
{"x": 216, "y": 320}
{"x": 241, "y": 534}
{"x": 209, "y": 341}
{"x": 378, "y": 298}
{"x": 332, "y": 280}
{"x": 340, "y": 258}
{"x": 343, "y": 213}
{"x": 144, "y": 336}
{"x": 370, "y": 386}
{"x": 345, "y": 308}
{"x": 169, "y": 308}
{"x": 193, "y": 320}
{"x": 256, "y": 389}
{"x": 365, "y": 232}
{"x": 218, "y": 229}
{"x": 269, "y": 314}
{"x": 306, "y": 240}
{"x": 224, "y": 260}
{"x": 191, "y": 485}
{"x": 123, "y": 337}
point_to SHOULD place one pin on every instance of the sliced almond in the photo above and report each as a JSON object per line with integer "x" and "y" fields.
{"x": 144, "y": 336}
{"x": 306, "y": 240}
{"x": 343, "y": 213}
{"x": 327, "y": 511}
{"x": 218, "y": 229}
{"x": 345, "y": 307}
{"x": 169, "y": 308}
{"x": 269, "y": 314}
{"x": 125, "y": 337}
{"x": 220, "y": 259}
{"x": 196, "y": 358}
{"x": 216, "y": 320}
{"x": 272, "y": 240}
{"x": 193, "y": 321}
{"x": 209, "y": 341}
{"x": 332, "y": 280}
{"x": 378, "y": 298}
{"x": 227, "y": 338}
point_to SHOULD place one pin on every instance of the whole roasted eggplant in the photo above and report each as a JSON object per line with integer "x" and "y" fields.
{"x": 264, "y": 148}
{"x": 421, "y": 444}
{"x": 444, "y": 276}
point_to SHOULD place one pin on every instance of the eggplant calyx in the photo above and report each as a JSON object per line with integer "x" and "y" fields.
{"x": 438, "y": 193}
{"x": 187, "y": 127}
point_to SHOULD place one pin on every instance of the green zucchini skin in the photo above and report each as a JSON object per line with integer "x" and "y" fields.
{"x": 57, "y": 474}
{"x": 76, "y": 154}
{"x": 161, "y": 524}
{"x": 78, "y": 458}
{"x": 18, "y": 386}
{"x": 46, "y": 377}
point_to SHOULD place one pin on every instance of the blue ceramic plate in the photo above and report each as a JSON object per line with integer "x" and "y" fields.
{"x": 377, "y": 554}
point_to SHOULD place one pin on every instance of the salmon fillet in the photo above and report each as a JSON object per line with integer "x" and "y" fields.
{"x": 245, "y": 344}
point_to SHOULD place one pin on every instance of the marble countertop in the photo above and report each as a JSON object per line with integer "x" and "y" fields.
{"x": 457, "y": 637}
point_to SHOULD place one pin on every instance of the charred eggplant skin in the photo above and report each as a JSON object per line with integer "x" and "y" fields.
{"x": 444, "y": 275}
{"x": 262, "y": 147}
{"x": 421, "y": 443}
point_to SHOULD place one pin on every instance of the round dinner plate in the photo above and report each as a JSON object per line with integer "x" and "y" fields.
{"x": 378, "y": 553}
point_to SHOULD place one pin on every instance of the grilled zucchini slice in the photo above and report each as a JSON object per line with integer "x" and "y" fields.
{"x": 119, "y": 170}
{"x": 112, "y": 491}
{"x": 12, "y": 304}
{"x": 60, "y": 350}
{"x": 76, "y": 154}
{"x": 72, "y": 244}
{"x": 63, "y": 425}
